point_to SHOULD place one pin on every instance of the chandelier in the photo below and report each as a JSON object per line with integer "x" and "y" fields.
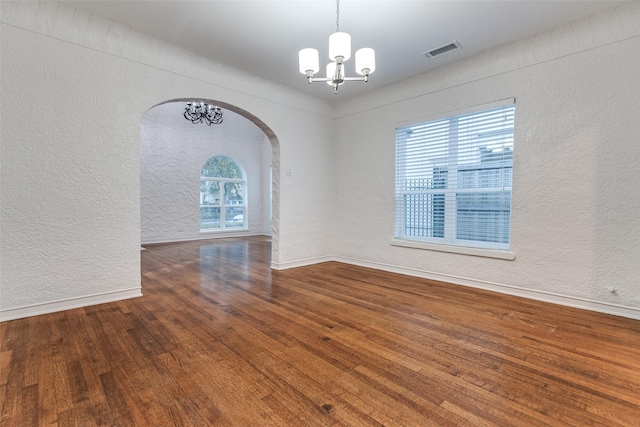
{"x": 339, "y": 52}
{"x": 198, "y": 112}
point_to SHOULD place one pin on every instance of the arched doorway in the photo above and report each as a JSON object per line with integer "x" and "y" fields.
{"x": 164, "y": 121}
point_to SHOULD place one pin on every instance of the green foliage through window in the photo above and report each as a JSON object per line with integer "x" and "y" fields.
{"x": 221, "y": 167}
{"x": 222, "y": 194}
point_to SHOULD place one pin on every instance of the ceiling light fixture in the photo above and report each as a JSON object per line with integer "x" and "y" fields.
{"x": 198, "y": 112}
{"x": 339, "y": 52}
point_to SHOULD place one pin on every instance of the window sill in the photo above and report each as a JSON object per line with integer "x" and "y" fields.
{"x": 223, "y": 230}
{"x": 487, "y": 253}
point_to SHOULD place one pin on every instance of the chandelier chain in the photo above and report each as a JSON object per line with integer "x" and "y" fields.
{"x": 337, "y": 16}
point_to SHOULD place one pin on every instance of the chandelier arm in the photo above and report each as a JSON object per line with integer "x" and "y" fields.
{"x": 346, "y": 79}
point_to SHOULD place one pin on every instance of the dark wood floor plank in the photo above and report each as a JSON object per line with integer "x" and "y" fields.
{"x": 220, "y": 339}
{"x": 16, "y": 344}
{"x": 5, "y": 361}
{"x": 29, "y": 415}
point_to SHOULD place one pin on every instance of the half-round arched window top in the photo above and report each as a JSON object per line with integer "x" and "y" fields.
{"x": 222, "y": 167}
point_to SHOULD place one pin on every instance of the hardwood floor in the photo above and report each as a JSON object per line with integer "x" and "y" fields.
{"x": 221, "y": 340}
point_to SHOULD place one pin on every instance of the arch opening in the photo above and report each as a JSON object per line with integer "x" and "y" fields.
{"x": 170, "y": 146}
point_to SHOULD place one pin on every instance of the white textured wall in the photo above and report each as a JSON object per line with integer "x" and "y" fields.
{"x": 70, "y": 179}
{"x": 576, "y": 204}
{"x": 70, "y": 218}
{"x": 70, "y": 191}
{"x": 172, "y": 153}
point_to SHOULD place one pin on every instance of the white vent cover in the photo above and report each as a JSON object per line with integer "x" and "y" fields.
{"x": 443, "y": 50}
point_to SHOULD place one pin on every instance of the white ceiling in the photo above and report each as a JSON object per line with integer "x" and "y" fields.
{"x": 264, "y": 37}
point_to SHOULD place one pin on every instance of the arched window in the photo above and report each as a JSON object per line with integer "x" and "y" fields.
{"x": 223, "y": 190}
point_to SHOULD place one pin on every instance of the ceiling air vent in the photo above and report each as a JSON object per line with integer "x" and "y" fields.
{"x": 443, "y": 50}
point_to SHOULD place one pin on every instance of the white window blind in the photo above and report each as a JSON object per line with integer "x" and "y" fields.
{"x": 453, "y": 179}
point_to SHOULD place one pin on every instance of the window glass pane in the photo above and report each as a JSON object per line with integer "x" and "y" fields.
{"x": 424, "y": 215}
{"x": 210, "y": 193}
{"x": 485, "y": 136}
{"x": 483, "y": 217}
{"x": 234, "y": 193}
{"x": 234, "y": 217}
{"x": 484, "y": 177}
{"x": 209, "y": 218}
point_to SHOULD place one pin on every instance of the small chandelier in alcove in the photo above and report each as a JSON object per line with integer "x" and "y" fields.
{"x": 198, "y": 112}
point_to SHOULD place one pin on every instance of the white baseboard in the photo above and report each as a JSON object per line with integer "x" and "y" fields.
{"x": 205, "y": 236}
{"x": 301, "y": 262}
{"x": 68, "y": 304}
{"x": 570, "y": 301}
{"x": 554, "y": 298}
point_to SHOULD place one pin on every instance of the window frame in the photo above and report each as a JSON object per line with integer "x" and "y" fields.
{"x": 449, "y": 241}
{"x": 222, "y": 205}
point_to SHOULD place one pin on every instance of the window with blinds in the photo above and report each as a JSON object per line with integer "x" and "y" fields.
{"x": 453, "y": 179}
